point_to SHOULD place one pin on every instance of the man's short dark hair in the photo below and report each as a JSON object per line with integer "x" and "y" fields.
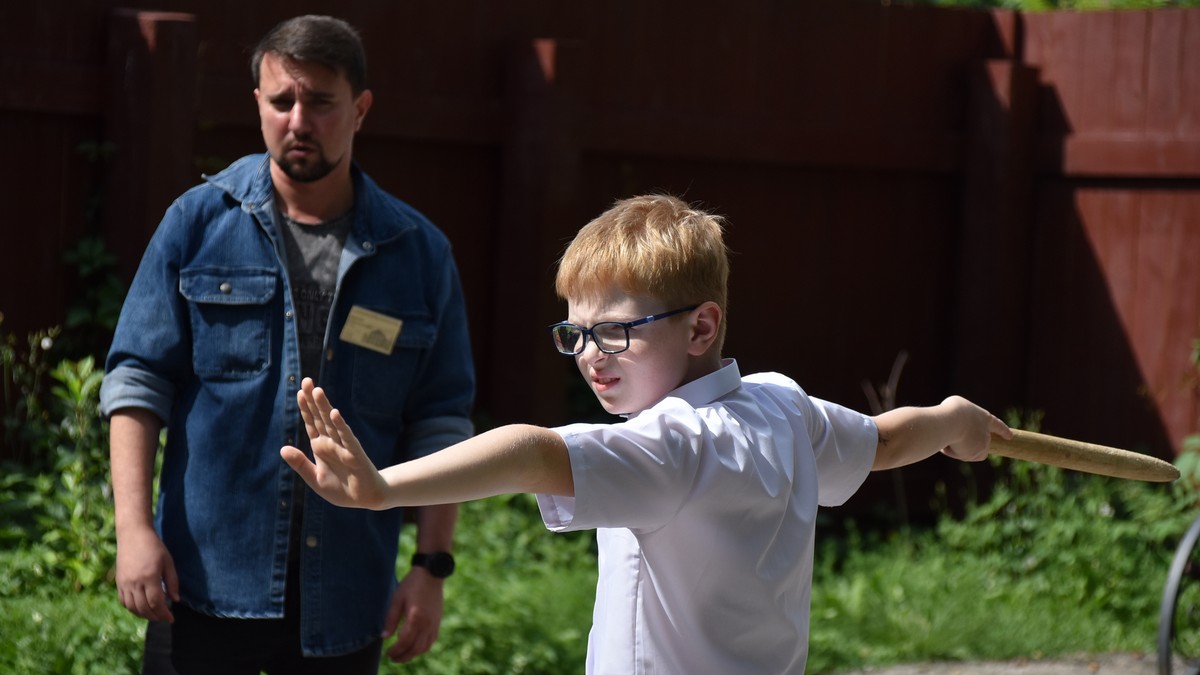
{"x": 321, "y": 40}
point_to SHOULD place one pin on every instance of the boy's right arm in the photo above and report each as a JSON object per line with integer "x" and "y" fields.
{"x": 956, "y": 427}
{"x": 144, "y": 567}
{"x": 510, "y": 459}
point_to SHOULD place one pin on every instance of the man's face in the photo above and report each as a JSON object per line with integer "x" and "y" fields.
{"x": 309, "y": 116}
{"x": 655, "y": 363}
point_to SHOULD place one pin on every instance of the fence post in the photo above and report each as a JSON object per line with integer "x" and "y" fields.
{"x": 150, "y": 118}
{"x": 993, "y": 258}
{"x": 526, "y": 379}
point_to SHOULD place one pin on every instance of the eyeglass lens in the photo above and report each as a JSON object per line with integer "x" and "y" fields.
{"x": 610, "y": 337}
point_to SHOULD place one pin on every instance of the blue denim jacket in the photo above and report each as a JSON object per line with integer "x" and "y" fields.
{"x": 208, "y": 342}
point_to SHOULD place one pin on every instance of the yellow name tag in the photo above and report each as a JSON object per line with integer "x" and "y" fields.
{"x": 371, "y": 330}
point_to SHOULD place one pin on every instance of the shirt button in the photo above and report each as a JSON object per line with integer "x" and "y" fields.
{"x": 368, "y": 246}
{"x": 283, "y": 503}
{"x": 311, "y": 541}
{"x": 291, "y": 379}
{"x": 288, "y": 314}
{"x": 226, "y": 287}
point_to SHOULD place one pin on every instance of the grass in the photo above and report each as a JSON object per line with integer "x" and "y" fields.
{"x": 1051, "y": 563}
{"x": 75, "y": 633}
{"x": 915, "y": 602}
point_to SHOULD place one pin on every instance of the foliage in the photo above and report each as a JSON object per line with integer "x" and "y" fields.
{"x": 1051, "y": 562}
{"x": 1189, "y": 459}
{"x": 92, "y": 316}
{"x": 55, "y": 500}
{"x": 26, "y": 403}
{"x": 58, "y": 506}
{"x": 24, "y": 371}
{"x": 520, "y": 600}
{"x": 86, "y": 633}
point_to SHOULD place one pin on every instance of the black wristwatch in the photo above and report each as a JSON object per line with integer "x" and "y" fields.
{"x": 440, "y": 563}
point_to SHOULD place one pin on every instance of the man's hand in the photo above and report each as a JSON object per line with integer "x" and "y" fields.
{"x": 143, "y": 569}
{"x": 418, "y": 603}
{"x": 341, "y": 473}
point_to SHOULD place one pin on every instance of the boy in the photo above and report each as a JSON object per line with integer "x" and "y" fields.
{"x": 704, "y": 498}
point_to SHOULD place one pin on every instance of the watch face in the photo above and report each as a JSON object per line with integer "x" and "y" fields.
{"x": 440, "y": 564}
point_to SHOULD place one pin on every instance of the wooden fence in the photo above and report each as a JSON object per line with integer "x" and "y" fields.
{"x": 1010, "y": 199}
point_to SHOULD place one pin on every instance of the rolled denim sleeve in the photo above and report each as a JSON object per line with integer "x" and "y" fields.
{"x": 442, "y": 398}
{"x": 132, "y": 387}
{"x": 151, "y": 341}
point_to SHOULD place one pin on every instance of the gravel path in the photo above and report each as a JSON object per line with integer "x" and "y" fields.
{"x": 1102, "y": 664}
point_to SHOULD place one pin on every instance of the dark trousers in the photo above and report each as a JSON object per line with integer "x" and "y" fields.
{"x": 198, "y": 644}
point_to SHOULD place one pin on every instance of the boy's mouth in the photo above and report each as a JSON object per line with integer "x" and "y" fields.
{"x": 604, "y": 383}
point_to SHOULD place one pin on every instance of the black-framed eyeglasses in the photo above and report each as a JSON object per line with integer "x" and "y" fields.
{"x": 611, "y": 337}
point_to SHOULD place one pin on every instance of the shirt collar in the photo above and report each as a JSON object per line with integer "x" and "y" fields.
{"x": 711, "y": 387}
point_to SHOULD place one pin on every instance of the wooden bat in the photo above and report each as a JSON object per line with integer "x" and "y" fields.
{"x": 1080, "y": 456}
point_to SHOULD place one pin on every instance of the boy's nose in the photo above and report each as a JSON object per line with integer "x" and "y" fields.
{"x": 591, "y": 352}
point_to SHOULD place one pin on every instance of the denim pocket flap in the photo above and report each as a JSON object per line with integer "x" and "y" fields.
{"x": 228, "y": 286}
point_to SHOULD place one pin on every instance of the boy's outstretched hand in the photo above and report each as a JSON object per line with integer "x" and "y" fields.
{"x": 341, "y": 473}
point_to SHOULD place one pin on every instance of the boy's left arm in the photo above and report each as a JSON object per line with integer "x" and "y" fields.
{"x": 955, "y": 427}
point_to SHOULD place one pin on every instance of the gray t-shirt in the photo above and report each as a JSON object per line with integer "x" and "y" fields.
{"x": 313, "y": 254}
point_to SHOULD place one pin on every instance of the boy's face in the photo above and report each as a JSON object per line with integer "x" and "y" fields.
{"x": 655, "y": 363}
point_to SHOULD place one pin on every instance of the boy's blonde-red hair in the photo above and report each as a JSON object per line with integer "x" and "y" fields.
{"x": 653, "y": 245}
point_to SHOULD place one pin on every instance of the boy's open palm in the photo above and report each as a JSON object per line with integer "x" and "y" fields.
{"x": 341, "y": 471}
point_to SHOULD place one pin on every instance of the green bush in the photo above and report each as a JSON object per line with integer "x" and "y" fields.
{"x": 57, "y": 507}
{"x": 520, "y": 600}
{"x": 68, "y": 633}
{"x": 1052, "y": 562}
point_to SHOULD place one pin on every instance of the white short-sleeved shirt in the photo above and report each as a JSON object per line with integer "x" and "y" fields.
{"x": 705, "y": 508}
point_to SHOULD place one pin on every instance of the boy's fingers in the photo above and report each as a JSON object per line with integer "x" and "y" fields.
{"x": 321, "y": 407}
{"x": 304, "y": 400}
{"x": 339, "y": 434}
{"x": 299, "y": 463}
{"x": 1000, "y": 428}
{"x": 345, "y": 437}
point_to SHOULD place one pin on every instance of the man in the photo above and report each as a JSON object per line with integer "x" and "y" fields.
{"x": 287, "y": 265}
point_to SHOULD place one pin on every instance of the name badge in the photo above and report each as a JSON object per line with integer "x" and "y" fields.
{"x": 371, "y": 330}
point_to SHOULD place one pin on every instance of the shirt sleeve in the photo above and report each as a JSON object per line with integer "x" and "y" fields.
{"x": 634, "y": 474}
{"x": 844, "y": 443}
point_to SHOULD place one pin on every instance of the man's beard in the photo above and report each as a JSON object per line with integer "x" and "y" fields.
{"x": 310, "y": 171}
{"x": 306, "y": 172}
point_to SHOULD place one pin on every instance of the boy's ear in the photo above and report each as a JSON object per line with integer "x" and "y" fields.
{"x": 706, "y": 320}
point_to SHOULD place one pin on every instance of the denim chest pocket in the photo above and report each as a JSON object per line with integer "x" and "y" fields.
{"x": 382, "y": 382}
{"x": 230, "y": 310}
